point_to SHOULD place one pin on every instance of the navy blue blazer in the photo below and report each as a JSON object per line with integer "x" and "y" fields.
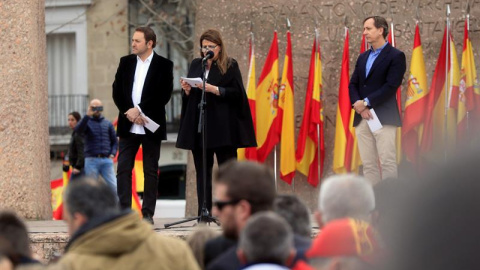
{"x": 381, "y": 84}
{"x": 156, "y": 93}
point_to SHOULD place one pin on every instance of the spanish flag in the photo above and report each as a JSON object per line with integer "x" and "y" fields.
{"x": 342, "y": 152}
{"x": 438, "y": 138}
{"x": 311, "y": 137}
{"x": 250, "y": 153}
{"x": 354, "y": 161}
{"x": 57, "y": 187}
{"x": 415, "y": 105}
{"x": 286, "y": 116}
{"x": 463, "y": 98}
{"x": 267, "y": 104}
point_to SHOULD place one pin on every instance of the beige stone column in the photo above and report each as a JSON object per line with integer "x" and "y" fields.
{"x": 24, "y": 147}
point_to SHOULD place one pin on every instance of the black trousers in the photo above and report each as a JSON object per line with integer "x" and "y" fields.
{"x": 223, "y": 154}
{"x": 126, "y": 161}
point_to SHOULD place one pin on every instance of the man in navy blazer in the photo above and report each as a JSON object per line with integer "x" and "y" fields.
{"x": 373, "y": 86}
{"x": 143, "y": 86}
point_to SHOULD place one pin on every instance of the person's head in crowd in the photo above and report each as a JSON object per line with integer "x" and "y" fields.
{"x": 14, "y": 240}
{"x": 241, "y": 190}
{"x": 345, "y": 195}
{"x": 345, "y": 244}
{"x": 295, "y": 212}
{"x": 266, "y": 238}
{"x": 437, "y": 225}
{"x": 390, "y": 194}
{"x": 211, "y": 40}
{"x": 197, "y": 241}
{"x": 73, "y": 119}
{"x": 85, "y": 200}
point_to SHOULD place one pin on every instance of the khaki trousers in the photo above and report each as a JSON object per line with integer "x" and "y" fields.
{"x": 377, "y": 147}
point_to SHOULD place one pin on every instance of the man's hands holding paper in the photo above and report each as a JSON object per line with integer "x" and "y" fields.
{"x": 366, "y": 114}
{"x": 136, "y": 117}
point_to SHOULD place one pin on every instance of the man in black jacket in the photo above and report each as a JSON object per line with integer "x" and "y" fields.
{"x": 143, "y": 86}
{"x": 100, "y": 144}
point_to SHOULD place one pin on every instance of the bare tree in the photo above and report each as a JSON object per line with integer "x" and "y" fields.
{"x": 174, "y": 19}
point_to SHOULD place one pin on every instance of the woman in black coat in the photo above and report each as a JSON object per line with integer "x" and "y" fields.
{"x": 75, "y": 148}
{"x": 228, "y": 119}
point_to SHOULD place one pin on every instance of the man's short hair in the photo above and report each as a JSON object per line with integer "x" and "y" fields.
{"x": 91, "y": 198}
{"x": 295, "y": 212}
{"x": 379, "y": 22}
{"x": 346, "y": 195}
{"x": 248, "y": 181}
{"x": 149, "y": 34}
{"x": 267, "y": 237}
{"x": 13, "y": 235}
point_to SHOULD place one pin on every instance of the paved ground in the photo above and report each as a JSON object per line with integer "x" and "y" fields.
{"x": 58, "y": 226}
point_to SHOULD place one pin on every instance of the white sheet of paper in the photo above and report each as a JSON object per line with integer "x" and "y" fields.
{"x": 192, "y": 81}
{"x": 151, "y": 125}
{"x": 374, "y": 124}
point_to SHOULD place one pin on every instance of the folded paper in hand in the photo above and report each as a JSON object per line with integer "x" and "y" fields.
{"x": 374, "y": 123}
{"x": 192, "y": 81}
{"x": 151, "y": 125}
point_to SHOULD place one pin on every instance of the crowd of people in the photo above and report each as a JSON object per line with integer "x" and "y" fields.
{"x": 426, "y": 223}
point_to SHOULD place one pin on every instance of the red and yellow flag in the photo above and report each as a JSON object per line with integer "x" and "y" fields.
{"x": 352, "y": 143}
{"x": 342, "y": 153}
{"x": 250, "y": 153}
{"x": 391, "y": 40}
{"x": 438, "y": 138}
{"x": 463, "y": 98}
{"x": 311, "y": 137}
{"x": 57, "y": 187}
{"x": 267, "y": 104}
{"x": 415, "y": 105}
{"x": 286, "y": 116}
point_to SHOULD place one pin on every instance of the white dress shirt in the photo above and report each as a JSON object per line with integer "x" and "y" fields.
{"x": 139, "y": 80}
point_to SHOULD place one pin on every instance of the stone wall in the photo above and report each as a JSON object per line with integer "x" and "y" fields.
{"x": 233, "y": 19}
{"x": 24, "y": 160}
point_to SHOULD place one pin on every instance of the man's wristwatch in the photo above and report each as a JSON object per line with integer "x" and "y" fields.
{"x": 365, "y": 103}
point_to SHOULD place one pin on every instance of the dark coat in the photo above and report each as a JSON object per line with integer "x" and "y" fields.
{"x": 215, "y": 247}
{"x": 157, "y": 91}
{"x": 99, "y": 135}
{"x": 75, "y": 151}
{"x": 228, "y": 260}
{"x": 228, "y": 118}
{"x": 381, "y": 84}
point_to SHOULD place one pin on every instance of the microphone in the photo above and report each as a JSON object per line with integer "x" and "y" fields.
{"x": 208, "y": 55}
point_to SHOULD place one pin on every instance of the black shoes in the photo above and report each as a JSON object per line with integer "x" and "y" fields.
{"x": 148, "y": 218}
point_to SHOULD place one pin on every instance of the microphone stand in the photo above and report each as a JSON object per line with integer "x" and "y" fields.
{"x": 204, "y": 214}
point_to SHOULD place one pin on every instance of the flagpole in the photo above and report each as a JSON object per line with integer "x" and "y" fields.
{"x": 275, "y": 149}
{"x": 289, "y": 25}
{"x": 275, "y": 165}
{"x": 468, "y": 32}
{"x": 319, "y": 98}
{"x": 393, "y": 36}
{"x": 447, "y": 59}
